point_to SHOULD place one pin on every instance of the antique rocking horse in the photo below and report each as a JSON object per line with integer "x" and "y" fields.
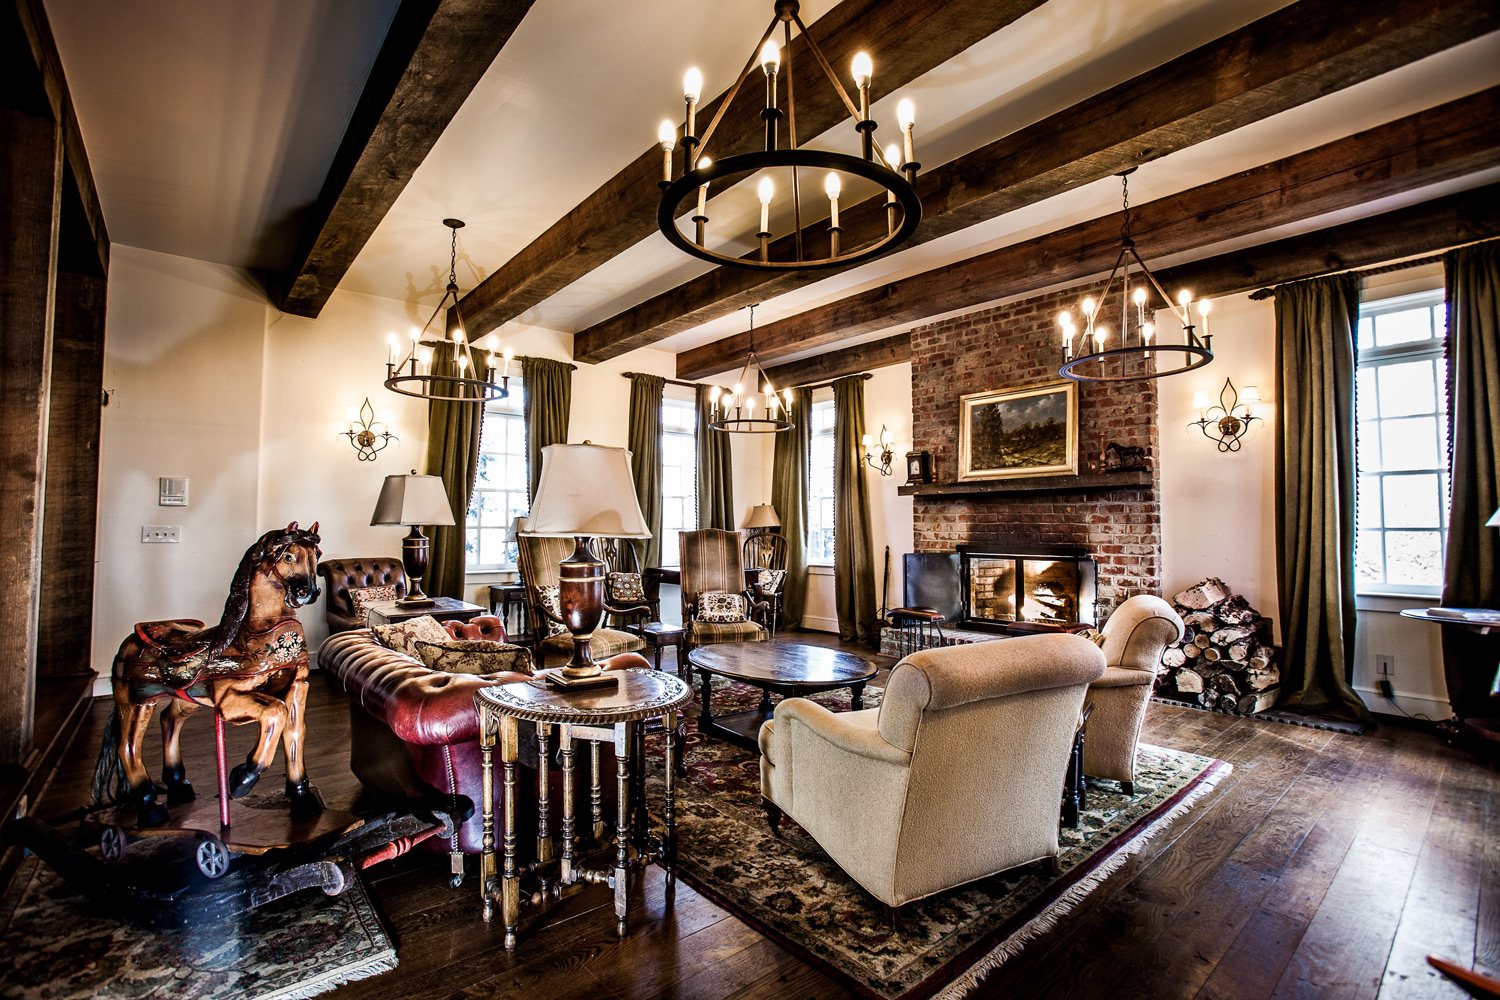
{"x": 251, "y": 667}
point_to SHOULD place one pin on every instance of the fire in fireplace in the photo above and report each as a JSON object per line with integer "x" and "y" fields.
{"x": 1040, "y": 586}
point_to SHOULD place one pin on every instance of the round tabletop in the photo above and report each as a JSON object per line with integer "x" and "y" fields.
{"x": 640, "y": 694}
{"x": 782, "y": 663}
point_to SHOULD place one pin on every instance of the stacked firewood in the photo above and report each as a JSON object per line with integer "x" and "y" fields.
{"x": 1225, "y": 659}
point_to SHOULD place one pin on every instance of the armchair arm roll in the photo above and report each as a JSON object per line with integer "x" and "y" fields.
{"x": 842, "y": 730}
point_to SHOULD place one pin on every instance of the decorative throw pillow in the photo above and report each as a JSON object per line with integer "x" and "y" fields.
{"x": 473, "y": 656}
{"x": 403, "y": 636}
{"x": 1092, "y": 635}
{"x": 717, "y": 606}
{"x": 771, "y": 580}
{"x": 362, "y": 597}
{"x": 625, "y": 588}
{"x": 548, "y": 593}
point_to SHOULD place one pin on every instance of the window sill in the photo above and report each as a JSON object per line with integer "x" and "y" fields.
{"x": 820, "y": 569}
{"x": 1393, "y": 601}
{"x": 500, "y": 575}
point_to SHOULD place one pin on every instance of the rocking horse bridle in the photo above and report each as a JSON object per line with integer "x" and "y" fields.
{"x": 280, "y": 554}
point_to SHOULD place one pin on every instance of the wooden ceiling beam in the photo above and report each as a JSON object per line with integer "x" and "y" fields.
{"x": 431, "y": 59}
{"x": 906, "y": 38}
{"x": 845, "y": 361}
{"x": 1287, "y": 58}
{"x": 1443, "y": 143}
{"x": 1417, "y": 231}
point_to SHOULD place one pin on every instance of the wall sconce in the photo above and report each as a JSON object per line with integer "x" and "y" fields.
{"x": 1228, "y": 427}
{"x": 885, "y": 455}
{"x": 367, "y": 434}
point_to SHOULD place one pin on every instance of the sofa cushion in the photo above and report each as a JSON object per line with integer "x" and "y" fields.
{"x": 606, "y": 642}
{"x": 708, "y": 633}
{"x": 473, "y": 656}
{"x": 403, "y": 636}
{"x": 717, "y": 606}
{"x": 362, "y": 597}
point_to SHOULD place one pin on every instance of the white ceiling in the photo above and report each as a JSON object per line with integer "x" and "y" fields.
{"x": 210, "y": 125}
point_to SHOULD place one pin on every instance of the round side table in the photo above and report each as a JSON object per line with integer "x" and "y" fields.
{"x": 595, "y": 715}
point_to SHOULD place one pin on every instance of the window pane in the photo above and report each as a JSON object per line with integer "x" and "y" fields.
{"x": 1404, "y": 327}
{"x": 1367, "y": 446}
{"x": 1367, "y": 332}
{"x": 1412, "y": 501}
{"x": 1407, "y": 388}
{"x": 1366, "y": 405}
{"x": 1410, "y": 443}
{"x": 1368, "y": 566}
{"x": 1414, "y": 557}
{"x": 1367, "y": 503}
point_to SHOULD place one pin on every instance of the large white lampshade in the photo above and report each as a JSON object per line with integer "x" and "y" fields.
{"x": 586, "y": 490}
{"x": 412, "y": 499}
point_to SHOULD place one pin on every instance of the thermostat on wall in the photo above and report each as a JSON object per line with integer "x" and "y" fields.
{"x": 174, "y": 492}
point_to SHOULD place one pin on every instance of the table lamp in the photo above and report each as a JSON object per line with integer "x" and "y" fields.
{"x": 585, "y": 492}
{"x": 762, "y": 517}
{"x": 413, "y": 500}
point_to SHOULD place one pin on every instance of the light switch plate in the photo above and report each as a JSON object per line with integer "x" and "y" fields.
{"x": 160, "y": 533}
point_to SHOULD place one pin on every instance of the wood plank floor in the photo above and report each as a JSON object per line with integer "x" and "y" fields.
{"x": 1326, "y": 865}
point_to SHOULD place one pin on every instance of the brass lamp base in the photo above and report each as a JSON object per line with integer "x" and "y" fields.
{"x": 416, "y": 551}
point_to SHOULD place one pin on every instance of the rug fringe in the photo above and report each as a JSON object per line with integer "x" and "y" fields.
{"x": 332, "y": 980}
{"x": 1075, "y": 894}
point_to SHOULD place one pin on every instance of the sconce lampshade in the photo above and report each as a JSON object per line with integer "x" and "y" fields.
{"x": 1494, "y": 521}
{"x": 1250, "y": 394}
{"x": 586, "y": 490}
{"x": 762, "y": 515}
{"x": 412, "y": 499}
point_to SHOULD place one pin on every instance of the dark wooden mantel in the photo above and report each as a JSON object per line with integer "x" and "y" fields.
{"x": 1088, "y": 482}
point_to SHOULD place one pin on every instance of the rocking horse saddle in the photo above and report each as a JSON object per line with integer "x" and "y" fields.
{"x": 180, "y": 647}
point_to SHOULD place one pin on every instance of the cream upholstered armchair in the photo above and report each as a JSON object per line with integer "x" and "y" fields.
{"x": 1134, "y": 638}
{"x": 957, "y": 775}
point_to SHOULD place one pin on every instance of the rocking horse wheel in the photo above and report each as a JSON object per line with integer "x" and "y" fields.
{"x": 112, "y": 844}
{"x": 212, "y": 857}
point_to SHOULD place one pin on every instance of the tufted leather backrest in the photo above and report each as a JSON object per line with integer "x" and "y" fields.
{"x": 342, "y": 575}
{"x": 478, "y": 627}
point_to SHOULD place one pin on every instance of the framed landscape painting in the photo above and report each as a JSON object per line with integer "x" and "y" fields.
{"x": 1019, "y": 432}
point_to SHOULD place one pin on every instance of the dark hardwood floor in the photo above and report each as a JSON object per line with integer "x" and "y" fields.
{"x": 1326, "y": 865}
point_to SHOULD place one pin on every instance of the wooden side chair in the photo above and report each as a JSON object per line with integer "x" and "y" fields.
{"x": 624, "y": 585}
{"x": 766, "y": 552}
{"x": 537, "y": 559}
{"x": 710, "y": 561}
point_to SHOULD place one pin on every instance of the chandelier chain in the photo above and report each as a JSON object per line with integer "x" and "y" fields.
{"x": 1125, "y": 201}
{"x": 453, "y": 260}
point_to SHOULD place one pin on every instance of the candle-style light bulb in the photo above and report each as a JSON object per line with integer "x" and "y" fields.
{"x": 738, "y": 388}
{"x": 1101, "y": 334}
{"x": 491, "y": 343}
{"x": 1140, "y": 295}
{"x": 786, "y": 394}
{"x": 863, "y": 70}
{"x": 1148, "y": 330}
{"x": 1088, "y": 307}
{"x": 463, "y": 364}
{"x": 458, "y": 338}
{"x": 1203, "y": 310}
{"x": 692, "y": 85}
{"x": 425, "y": 355}
{"x": 667, "y": 136}
{"x": 906, "y": 117}
{"x": 713, "y": 395}
{"x": 1184, "y": 299}
{"x": 832, "y": 185}
{"x": 510, "y": 352}
{"x": 770, "y": 57}
{"x": 703, "y": 161}
{"x": 765, "y": 191}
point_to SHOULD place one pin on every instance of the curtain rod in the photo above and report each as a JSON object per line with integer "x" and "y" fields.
{"x": 1400, "y": 265}
{"x": 694, "y": 385}
{"x": 823, "y": 385}
{"x": 668, "y": 381}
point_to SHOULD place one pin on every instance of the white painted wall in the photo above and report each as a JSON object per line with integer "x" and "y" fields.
{"x": 888, "y": 403}
{"x": 1218, "y": 509}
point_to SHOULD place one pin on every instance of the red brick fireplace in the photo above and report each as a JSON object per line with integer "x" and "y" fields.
{"x": 1014, "y": 346}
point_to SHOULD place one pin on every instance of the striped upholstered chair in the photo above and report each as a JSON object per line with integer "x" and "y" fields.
{"x": 711, "y": 564}
{"x": 537, "y": 559}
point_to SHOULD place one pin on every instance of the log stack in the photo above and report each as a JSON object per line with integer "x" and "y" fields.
{"x": 1225, "y": 659}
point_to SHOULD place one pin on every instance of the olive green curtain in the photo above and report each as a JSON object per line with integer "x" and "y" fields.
{"x": 453, "y": 454}
{"x": 853, "y": 556}
{"x": 715, "y": 487}
{"x": 645, "y": 456}
{"x": 789, "y": 473}
{"x": 549, "y": 395}
{"x": 1471, "y": 575}
{"x": 1315, "y": 359}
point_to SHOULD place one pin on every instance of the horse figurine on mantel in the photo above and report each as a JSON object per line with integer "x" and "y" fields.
{"x": 251, "y": 667}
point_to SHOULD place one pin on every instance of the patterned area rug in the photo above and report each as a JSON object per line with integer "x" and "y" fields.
{"x": 54, "y": 945}
{"x": 790, "y": 890}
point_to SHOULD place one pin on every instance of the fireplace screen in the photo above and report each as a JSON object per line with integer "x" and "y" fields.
{"x": 1050, "y": 588}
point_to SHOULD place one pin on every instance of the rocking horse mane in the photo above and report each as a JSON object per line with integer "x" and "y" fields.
{"x": 269, "y": 548}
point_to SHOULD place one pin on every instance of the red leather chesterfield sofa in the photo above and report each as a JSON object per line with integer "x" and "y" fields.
{"x": 414, "y": 731}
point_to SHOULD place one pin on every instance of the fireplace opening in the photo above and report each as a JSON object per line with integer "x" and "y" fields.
{"x": 1036, "y": 586}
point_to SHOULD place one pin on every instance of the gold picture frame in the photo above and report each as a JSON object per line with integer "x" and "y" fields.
{"x": 1041, "y": 440}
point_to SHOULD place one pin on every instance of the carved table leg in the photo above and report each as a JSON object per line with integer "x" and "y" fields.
{"x": 706, "y": 686}
{"x": 565, "y": 748}
{"x": 487, "y": 845}
{"x": 638, "y": 784}
{"x": 543, "y": 791}
{"x": 510, "y": 890}
{"x": 622, "y": 825}
{"x": 669, "y": 833}
{"x": 596, "y": 791}
{"x": 857, "y": 697}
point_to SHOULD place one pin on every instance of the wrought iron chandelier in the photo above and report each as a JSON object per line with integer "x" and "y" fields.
{"x": 733, "y": 411}
{"x": 1142, "y": 356}
{"x": 1228, "y": 427}
{"x": 407, "y": 376}
{"x": 889, "y": 169}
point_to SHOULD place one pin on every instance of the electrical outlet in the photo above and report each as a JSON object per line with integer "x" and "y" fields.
{"x": 1385, "y": 665}
{"x": 160, "y": 533}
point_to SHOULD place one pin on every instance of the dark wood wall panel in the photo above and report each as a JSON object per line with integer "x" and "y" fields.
{"x": 67, "y": 583}
{"x": 30, "y": 191}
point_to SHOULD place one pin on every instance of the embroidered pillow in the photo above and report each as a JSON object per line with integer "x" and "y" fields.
{"x": 1092, "y": 635}
{"x": 625, "y": 588}
{"x": 403, "y": 636}
{"x": 548, "y": 593}
{"x": 362, "y": 597}
{"x": 717, "y": 606}
{"x": 473, "y": 656}
{"x": 771, "y": 580}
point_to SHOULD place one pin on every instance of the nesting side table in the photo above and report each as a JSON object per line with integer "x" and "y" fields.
{"x": 598, "y": 715}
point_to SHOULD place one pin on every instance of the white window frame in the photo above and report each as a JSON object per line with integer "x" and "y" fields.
{"x": 1373, "y": 358}
{"x": 687, "y": 500}
{"x": 508, "y": 409}
{"x": 818, "y": 503}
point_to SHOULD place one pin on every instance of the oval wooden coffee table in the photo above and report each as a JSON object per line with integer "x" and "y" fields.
{"x": 789, "y": 669}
